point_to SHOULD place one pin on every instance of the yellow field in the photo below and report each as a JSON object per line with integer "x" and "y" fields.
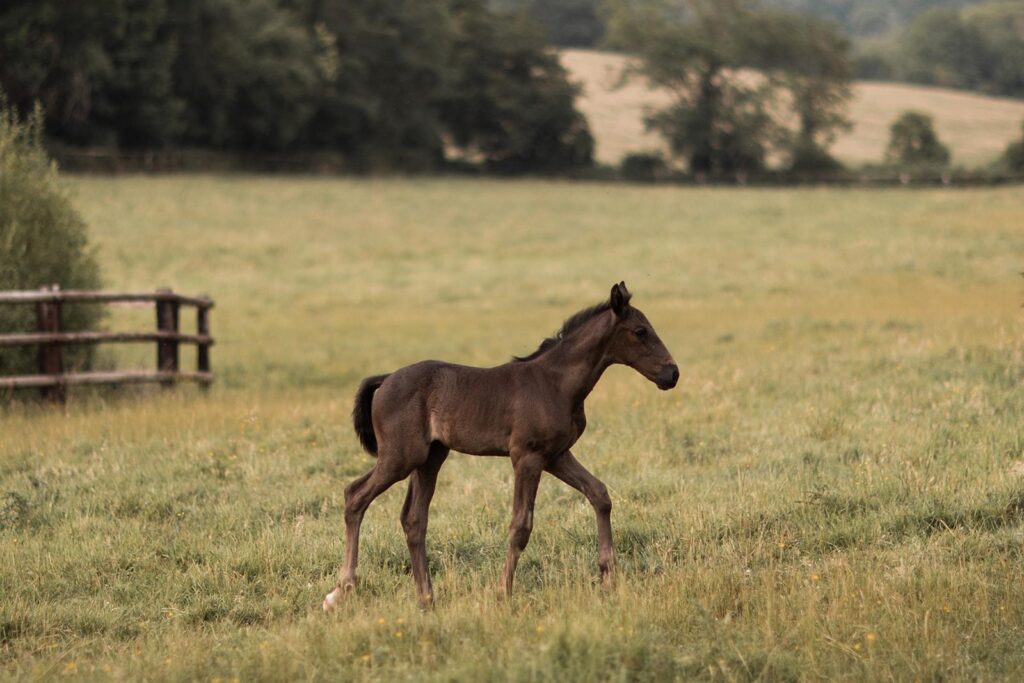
{"x": 977, "y": 128}
{"x": 833, "y": 491}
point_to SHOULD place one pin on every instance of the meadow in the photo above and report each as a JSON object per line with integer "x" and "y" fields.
{"x": 834, "y": 491}
{"x": 976, "y": 127}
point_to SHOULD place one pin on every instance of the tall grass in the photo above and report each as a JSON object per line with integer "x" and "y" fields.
{"x": 833, "y": 492}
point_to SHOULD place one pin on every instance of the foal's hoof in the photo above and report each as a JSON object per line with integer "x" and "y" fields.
{"x": 333, "y": 599}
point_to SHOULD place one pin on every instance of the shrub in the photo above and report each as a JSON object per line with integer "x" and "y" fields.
{"x": 913, "y": 142}
{"x": 1013, "y": 157}
{"x": 42, "y": 241}
{"x": 643, "y": 167}
{"x": 810, "y": 159}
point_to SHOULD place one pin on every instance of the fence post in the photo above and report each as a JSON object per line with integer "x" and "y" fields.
{"x": 51, "y": 354}
{"x": 203, "y": 349}
{"x": 167, "y": 349}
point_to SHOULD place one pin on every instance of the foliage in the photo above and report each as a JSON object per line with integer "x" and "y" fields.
{"x": 869, "y": 18}
{"x": 832, "y": 493}
{"x": 1013, "y": 157}
{"x": 247, "y": 72}
{"x": 913, "y": 142}
{"x": 567, "y": 23}
{"x": 978, "y": 48}
{"x": 375, "y": 80}
{"x": 720, "y": 121}
{"x": 43, "y": 241}
{"x": 511, "y": 102}
{"x": 941, "y": 49}
{"x": 643, "y": 167}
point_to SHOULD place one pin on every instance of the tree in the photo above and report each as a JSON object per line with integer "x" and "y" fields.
{"x": 247, "y": 73}
{"x": 101, "y": 70}
{"x": 43, "y": 240}
{"x": 912, "y": 141}
{"x": 722, "y": 118}
{"x": 941, "y": 49}
{"x": 56, "y": 53}
{"x": 716, "y": 123}
{"x": 510, "y": 100}
{"x": 809, "y": 60}
{"x": 139, "y": 105}
{"x": 1013, "y": 157}
{"x": 1001, "y": 24}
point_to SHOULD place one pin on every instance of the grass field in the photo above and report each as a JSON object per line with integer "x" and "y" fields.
{"x": 834, "y": 491}
{"x": 976, "y": 127}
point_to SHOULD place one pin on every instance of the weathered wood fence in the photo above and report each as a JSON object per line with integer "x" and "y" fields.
{"x": 50, "y": 339}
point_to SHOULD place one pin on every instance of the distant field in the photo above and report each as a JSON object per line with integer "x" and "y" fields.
{"x": 833, "y": 492}
{"x": 976, "y": 128}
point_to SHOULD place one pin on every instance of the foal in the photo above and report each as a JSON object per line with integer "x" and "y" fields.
{"x": 530, "y": 410}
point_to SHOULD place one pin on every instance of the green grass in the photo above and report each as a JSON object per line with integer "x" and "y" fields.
{"x": 834, "y": 491}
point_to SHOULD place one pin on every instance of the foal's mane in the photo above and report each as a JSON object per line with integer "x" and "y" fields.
{"x": 572, "y": 323}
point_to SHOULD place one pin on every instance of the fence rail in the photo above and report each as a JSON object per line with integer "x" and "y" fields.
{"x": 50, "y": 339}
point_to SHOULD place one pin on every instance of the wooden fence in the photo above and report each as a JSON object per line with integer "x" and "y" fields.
{"x": 49, "y": 337}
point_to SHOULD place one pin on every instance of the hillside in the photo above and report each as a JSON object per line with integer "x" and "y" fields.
{"x": 975, "y": 127}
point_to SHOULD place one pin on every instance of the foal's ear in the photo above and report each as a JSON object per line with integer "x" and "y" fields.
{"x": 620, "y": 299}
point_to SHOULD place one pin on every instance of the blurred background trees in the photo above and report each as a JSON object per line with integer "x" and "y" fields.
{"x": 913, "y": 142}
{"x": 377, "y": 80}
{"x": 415, "y": 84}
{"x": 739, "y": 75}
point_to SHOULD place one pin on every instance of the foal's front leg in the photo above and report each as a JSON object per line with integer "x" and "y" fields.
{"x": 528, "y": 468}
{"x": 568, "y": 469}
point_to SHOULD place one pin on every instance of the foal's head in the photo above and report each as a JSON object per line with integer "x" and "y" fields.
{"x": 635, "y": 343}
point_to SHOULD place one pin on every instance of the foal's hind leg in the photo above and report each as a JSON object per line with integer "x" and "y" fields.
{"x": 414, "y": 518}
{"x": 358, "y": 496}
{"x": 568, "y": 469}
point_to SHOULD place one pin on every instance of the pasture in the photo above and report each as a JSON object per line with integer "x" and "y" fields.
{"x": 834, "y": 491}
{"x": 976, "y": 127}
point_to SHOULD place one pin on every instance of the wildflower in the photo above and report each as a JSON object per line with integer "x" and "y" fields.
{"x": 871, "y": 637}
{"x": 399, "y": 634}
{"x": 815, "y": 578}
{"x": 382, "y": 621}
{"x": 540, "y": 628}
{"x": 365, "y": 659}
{"x": 70, "y": 667}
{"x": 856, "y": 647}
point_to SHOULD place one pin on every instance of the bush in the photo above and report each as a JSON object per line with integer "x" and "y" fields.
{"x": 42, "y": 241}
{"x": 1013, "y": 157}
{"x": 643, "y": 167}
{"x": 913, "y": 142}
{"x": 810, "y": 159}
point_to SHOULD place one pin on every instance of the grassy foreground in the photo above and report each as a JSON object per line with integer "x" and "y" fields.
{"x": 835, "y": 491}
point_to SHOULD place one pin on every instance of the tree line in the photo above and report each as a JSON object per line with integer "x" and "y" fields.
{"x": 386, "y": 83}
{"x": 967, "y": 44}
{"x": 416, "y": 84}
{"x": 977, "y": 48}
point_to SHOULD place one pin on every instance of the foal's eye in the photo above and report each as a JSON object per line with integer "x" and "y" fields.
{"x": 640, "y": 332}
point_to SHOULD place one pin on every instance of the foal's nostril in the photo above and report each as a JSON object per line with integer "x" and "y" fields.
{"x": 668, "y": 376}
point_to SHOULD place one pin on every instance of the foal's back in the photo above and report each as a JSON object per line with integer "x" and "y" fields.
{"x": 467, "y": 409}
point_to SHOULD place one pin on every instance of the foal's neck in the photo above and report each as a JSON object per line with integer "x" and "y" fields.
{"x": 580, "y": 359}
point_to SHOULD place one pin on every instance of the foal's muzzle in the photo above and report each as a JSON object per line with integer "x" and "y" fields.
{"x": 667, "y": 377}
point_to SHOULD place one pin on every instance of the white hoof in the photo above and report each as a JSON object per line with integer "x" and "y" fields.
{"x": 331, "y": 600}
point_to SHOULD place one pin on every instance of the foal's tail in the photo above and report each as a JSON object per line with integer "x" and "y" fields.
{"x": 362, "y": 412}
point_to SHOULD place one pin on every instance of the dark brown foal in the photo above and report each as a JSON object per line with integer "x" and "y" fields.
{"x": 530, "y": 410}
